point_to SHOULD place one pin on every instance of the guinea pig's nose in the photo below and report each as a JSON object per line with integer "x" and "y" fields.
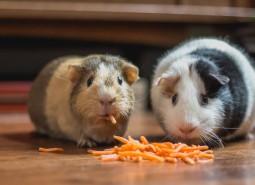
{"x": 107, "y": 102}
{"x": 187, "y": 130}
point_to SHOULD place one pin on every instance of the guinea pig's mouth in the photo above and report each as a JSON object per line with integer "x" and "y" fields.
{"x": 189, "y": 141}
{"x": 186, "y": 138}
{"x": 109, "y": 117}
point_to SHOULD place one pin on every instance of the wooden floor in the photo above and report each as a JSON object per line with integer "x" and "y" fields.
{"x": 21, "y": 163}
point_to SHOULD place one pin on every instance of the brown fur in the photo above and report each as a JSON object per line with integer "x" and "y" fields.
{"x": 82, "y": 120}
{"x": 169, "y": 85}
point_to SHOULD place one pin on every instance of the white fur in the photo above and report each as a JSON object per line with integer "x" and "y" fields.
{"x": 190, "y": 88}
{"x": 104, "y": 71}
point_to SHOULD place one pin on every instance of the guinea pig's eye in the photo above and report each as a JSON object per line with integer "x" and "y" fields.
{"x": 120, "y": 80}
{"x": 174, "y": 99}
{"x": 204, "y": 99}
{"x": 90, "y": 81}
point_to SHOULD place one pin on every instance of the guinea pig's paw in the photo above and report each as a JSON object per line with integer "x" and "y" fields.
{"x": 86, "y": 142}
{"x": 250, "y": 137}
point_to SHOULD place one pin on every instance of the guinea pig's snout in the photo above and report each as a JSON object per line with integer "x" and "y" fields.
{"x": 187, "y": 130}
{"x": 106, "y": 103}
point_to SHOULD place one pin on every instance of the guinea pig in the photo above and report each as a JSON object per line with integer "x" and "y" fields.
{"x": 77, "y": 98}
{"x": 203, "y": 91}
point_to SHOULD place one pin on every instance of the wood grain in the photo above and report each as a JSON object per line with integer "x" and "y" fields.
{"x": 21, "y": 163}
{"x": 113, "y": 11}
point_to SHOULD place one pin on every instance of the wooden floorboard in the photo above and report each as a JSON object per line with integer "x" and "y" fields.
{"x": 21, "y": 163}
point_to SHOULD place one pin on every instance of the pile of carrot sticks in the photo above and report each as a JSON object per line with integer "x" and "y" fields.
{"x": 143, "y": 150}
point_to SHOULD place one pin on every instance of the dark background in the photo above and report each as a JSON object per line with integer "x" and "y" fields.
{"x": 22, "y": 58}
{"x": 34, "y": 32}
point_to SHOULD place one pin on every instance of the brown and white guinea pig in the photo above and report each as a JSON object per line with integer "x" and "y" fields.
{"x": 203, "y": 91}
{"x": 73, "y": 97}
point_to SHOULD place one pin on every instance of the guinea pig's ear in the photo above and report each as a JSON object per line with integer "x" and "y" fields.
{"x": 167, "y": 79}
{"x": 130, "y": 72}
{"x": 215, "y": 82}
{"x": 221, "y": 79}
{"x": 74, "y": 72}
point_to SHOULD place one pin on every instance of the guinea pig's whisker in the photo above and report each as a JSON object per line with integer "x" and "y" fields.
{"x": 215, "y": 139}
{"x": 166, "y": 138}
{"x": 209, "y": 140}
{"x": 172, "y": 137}
{"x": 124, "y": 113}
{"x": 202, "y": 138}
{"x": 211, "y": 137}
{"x": 226, "y": 129}
{"x": 229, "y": 128}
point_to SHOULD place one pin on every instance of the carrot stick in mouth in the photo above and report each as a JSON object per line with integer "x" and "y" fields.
{"x": 113, "y": 120}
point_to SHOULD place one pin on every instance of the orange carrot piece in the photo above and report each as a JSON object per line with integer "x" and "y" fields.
{"x": 161, "y": 145}
{"x": 111, "y": 157}
{"x": 168, "y": 150}
{"x": 99, "y": 153}
{"x": 41, "y": 149}
{"x": 190, "y": 149}
{"x": 178, "y": 155}
{"x": 152, "y": 147}
{"x": 193, "y": 154}
{"x": 169, "y": 145}
{"x": 171, "y": 159}
{"x": 121, "y": 139}
{"x": 188, "y": 160}
{"x": 180, "y": 147}
{"x": 144, "y": 155}
{"x": 113, "y": 120}
{"x": 208, "y": 151}
{"x": 205, "y": 155}
{"x": 144, "y": 140}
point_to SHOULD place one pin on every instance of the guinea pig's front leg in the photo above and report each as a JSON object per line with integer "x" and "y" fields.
{"x": 84, "y": 141}
{"x": 250, "y": 136}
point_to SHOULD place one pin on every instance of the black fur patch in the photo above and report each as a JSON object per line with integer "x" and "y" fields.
{"x": 234, "y": 94}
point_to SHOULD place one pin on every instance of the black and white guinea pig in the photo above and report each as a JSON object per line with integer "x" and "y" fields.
{"x": 203, "y": 91}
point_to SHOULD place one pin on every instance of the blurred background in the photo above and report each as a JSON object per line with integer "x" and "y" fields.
{"x": 33, "y": 32}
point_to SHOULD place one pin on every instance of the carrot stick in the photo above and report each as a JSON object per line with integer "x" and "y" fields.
{"x": 144, "y": 155}
{"x": 99, "y": 153}
{"x": 189, "y": 149}
{"x": 169, "y": 145}
{"x": 208, "y": 156}
{"x": 161, "y": 145}
{"x": 181, "y": 146}
{"x": 152, "y": 147}
{"x": 171, "y": 159}
{"x": 51, "y": 149}
{"x": 188, "y": 160}
{"x": 167, "y": 150}
{"x": 144, "y": 140}
{"x": 111, "y": 157}
{"x": 113, "y": 120}
{"x": 121, "y": 139}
